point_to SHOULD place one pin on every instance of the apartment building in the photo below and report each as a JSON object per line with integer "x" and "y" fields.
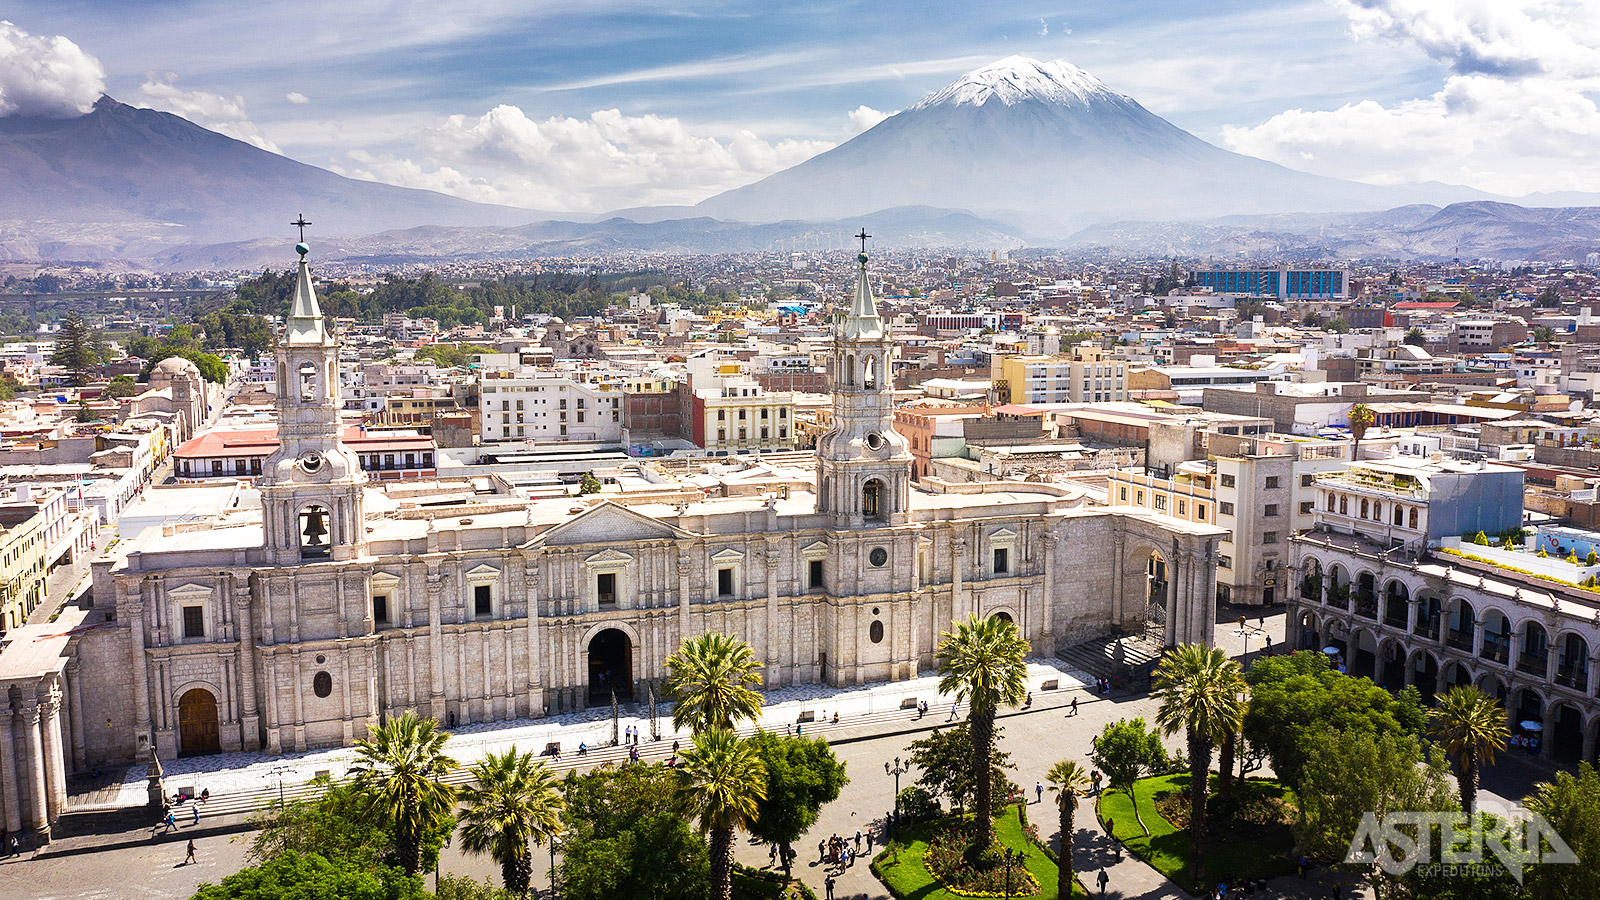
{"x": 1082, "y": 378}
{"x": 548, "y": 406}
{"x": 1189, "y": 495}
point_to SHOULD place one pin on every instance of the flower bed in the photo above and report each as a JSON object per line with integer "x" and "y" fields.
{"x": 950, "y": 861}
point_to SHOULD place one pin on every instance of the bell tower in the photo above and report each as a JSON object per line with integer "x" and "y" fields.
{"x": 863, "y": 464}
{"x": 311, "y": 486}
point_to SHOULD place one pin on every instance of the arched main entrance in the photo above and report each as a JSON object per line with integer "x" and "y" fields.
{"x": 1004, "y": 617}
{"x": 610, "y": 667}
{"x": 198, "y": 730}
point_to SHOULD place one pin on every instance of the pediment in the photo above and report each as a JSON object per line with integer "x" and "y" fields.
{"x": 190, "y": 592}
{"x": 483, "y": 570}
{"x": 384, "y": 579}
{"x": 1003, "y": 534}
{"x": 815, "y": 549}
{"x": 609, "y": 557}
{"x": 607, "y": 523}
{"x": 727, "y": 555}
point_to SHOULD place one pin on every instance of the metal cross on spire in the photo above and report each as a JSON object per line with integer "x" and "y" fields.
{"x": 302, "y": 223}
{"x": 863, "y": 238}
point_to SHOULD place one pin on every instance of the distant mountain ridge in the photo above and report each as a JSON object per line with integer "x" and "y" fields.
{"x": 141, "y": 179}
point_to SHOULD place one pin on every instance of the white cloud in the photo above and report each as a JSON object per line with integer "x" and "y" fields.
{"x": 296, "y": 97}
{"x": 864, "y": 117}
{"x": 605, "y": 161}
{"x": 1516, "y": 113}
{"x": 46, "y": 76}
{"x": 1044, "y": 28}
{"x": 224, "y": 115}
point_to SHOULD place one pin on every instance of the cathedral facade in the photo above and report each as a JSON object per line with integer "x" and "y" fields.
{"x": 335, "y": 604}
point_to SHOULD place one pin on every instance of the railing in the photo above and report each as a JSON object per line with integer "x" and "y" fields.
{"x": 1394, "y": 621}
{"x": 1367, "y": 606}
{"x": 1533, "y": 664}
{"x": 1573, "y": 676}
{"x": 1495, "y": 651}
{"x": 1429, "y": 628}
{"x": 1458, "y": 639}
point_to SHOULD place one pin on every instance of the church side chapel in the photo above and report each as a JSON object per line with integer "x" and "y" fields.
{"x": 323, "y": 603}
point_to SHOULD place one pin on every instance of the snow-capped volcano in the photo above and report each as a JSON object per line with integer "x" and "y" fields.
{"x": 1016, "y": 79}
{"x": 1050, "y": 147}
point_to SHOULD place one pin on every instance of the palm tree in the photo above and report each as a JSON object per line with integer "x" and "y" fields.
{"x": 723, "y": 778}
{"x": 711, "y": 683}
{"x": 1197, "y": 689}
{"x": 401, "y": 766}
{"x": 1233, "y": 681}
{"x": 1072, "y": 782}
{"x": 1361, "y": 418}
{"x": 1471, "y": 726}
{"x": 515, "y": 802}
{"x": 981, "y": 661}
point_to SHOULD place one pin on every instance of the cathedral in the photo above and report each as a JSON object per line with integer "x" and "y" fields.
{"x": 324, "y": 604}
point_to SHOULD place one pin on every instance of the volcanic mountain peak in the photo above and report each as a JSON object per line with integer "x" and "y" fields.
{"x": 1017, "y": 78}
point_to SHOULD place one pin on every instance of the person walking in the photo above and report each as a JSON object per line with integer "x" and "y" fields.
{"x": 170, "y": 821}
{"x": 1095, "y": 777}
{"x": 828, "y": 883}
{"x": 195, "y": 808}
{"x": 869, "y": 842}
{"x": 952, "y": 712}
{"x": 1102, "y": 880}
{"x": 190, "y": 858}
{"x": 822, "y": 851}
{"x": 858, "y": 840}
{"x": 1038, "y": 791}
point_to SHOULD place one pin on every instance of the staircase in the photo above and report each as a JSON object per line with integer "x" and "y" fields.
{"x": 1128, "y": 658}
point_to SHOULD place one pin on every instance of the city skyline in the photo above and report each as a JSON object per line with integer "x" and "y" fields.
{"x": 550, "y": 107}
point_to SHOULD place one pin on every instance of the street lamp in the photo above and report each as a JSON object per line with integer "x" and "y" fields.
{"x": 897, "y": 770}
{"x": 281, "y": 770}
{"x": 1010, "y": 858}
{"x": 552, "y": 865}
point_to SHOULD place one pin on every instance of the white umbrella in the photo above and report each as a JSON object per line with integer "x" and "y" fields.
{"x": 1531, "y": 725}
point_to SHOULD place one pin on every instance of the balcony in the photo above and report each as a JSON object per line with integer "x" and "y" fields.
{"x": 1395, "y": 621}
{"x": 1573, "y": 676}
{"x": 1495, "y": 651}
{"x": 1459, "y": 640}
{"x": 1534, "y": 664}
{"x": 1429, "y": 628}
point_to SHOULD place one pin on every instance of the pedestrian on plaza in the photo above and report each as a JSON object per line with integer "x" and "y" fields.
{"x": 952, "y": 712}
{"x": 1102, "y": 879}
{"x": 674, "y": 748}
{"x": 1038, "y": 790}
{"x": 869, "y": 841}
{"x": 822, "y": 851}
{"x": 1269, "y": 642}
{"x": 772, "y": 856}
{"x": 14, "y": 846}
{"x": 170, "y": 821}
{"x": 190, "y": 857}
{"x": 196, "y": 810}
{"x": 828, "y": 883}
{"x": 1074, "y": 706}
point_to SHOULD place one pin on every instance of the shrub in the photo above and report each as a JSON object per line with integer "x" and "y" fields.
{"x": 917, "y": 804}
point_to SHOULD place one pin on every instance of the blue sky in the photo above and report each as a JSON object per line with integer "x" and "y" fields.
{"x": 600, "y": 105}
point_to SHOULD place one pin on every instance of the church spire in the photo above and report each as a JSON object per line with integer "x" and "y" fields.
{"x": 862, "y": 323}
{"x": 306, "y": 325}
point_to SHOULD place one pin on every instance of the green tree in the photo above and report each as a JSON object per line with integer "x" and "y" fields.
{"x": 1199, "y": 692}
{"x": 1544, "y": 334}
{"x": 711, "y": 683}
{"x": 1349, "y": 774}
{"x": 513, "y": 802}
{"x": 296, "y": 876}
{"x": 402, "y": 765}
{"x": 1125, "y": 750}
{"x": 1232, "y": 682}
{"x": 120, "y": 386}
{"x": 1297, "y": 695}
{"x": 1337, "y": 326}
{"x": 1471, "y": 727}
{"x": 450, "y": 356}
{"x": 722, "y": 779}
{"x": 1549, "y": 298}
{"x": 1415, "y": 337}
{"x": 981, "y": 661}
{"x": 1070, "y": 782}
{"x": 76, "y": 349}
{"x": 588, "y": 484}
{"x": 945, "y": 758}
{"x": 802, "y": 775}
{"x": 1571, "y": 804}
{"x": 211, "y": 367}
{"x": 1361, "y": 418}
{"x": 628, "y": 835}
{"x": 336, "y": 824}
{"x": 142, "y": 347}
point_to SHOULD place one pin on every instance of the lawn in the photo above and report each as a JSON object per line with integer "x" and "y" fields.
{"x": 1233, "y": 851}
{"x": 900, "y": 866}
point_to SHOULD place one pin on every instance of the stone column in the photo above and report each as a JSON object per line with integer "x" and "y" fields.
{"x": 530, "y": 573}
{"x": 141, "y": 671}
{"x": 958, "y": 559}
{"x": 10, "y": 775}
{"x": 685, "y": 567}
{"x": 1118, "y": 586}
{"x": 1174, "y": 568}
{"x": 774, "y": 674}
{"x": 435, "y": 644}
{"x": 250, "y": 714}
{"x": 54, "y": 763}
{"x": 1047, "y": 542}
{"x": 80, "y": 756}
{"x": 33, "y": 775}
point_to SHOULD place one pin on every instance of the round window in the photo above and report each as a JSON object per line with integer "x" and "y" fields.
{"x": 322, "y": 684}
{"x": 874, "y": 441}
{"x": 878, "y": 556}
{"x": 321, "y": 659}
{"x": 876, "y": 632}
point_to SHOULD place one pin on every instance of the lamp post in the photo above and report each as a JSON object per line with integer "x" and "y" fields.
{"x": 552, "y": 865}
{"x": 1010, "y": 858}
{"x": 897, "y": 770}
{"x": 279, "y": 771}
